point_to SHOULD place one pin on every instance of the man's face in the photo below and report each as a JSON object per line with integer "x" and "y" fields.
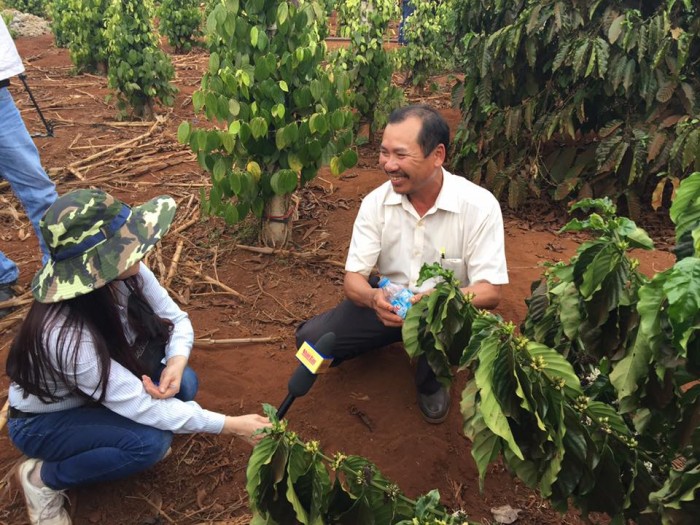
{"x": 403, "y": 161}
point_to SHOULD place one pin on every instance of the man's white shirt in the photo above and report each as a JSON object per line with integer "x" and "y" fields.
{"x": 463, "y": 231}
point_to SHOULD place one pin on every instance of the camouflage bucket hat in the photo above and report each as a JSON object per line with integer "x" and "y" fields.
{"x": 93, "y": 238}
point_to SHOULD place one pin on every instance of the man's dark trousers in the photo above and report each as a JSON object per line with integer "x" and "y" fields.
{"x": 358, "y": 330}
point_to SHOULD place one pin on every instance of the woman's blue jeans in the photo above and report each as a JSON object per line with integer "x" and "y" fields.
{"x": 92, "y": 444}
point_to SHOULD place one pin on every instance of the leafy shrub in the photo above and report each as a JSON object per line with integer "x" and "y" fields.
{"x": 598, "y": 405}
{"x": 283, "y": 115}
{"x": 80, "y": 24}
{"x": 579, "y": 99}
{"x": 587, "y": 309}
{"x": 34, "y": 7}
{"x": 289, "y": 481}
{"x": 429, "y": 32}
{"x": 179, "y": 23}
{"x": 368, "y": 65}
{"x": 633, "y": 344}
{"x": 63, "y": 21}
{"x": 8, "y": 17}
{"x": 139, "y": 70}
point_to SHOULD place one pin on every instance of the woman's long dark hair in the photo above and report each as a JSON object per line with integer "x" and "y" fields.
{"x": 30, "y": 365}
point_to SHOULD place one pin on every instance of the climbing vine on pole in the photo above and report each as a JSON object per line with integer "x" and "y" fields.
{"x": 80, "y": 26}
{"x": 369, "y": 66}
{"x": 279, "y": 115}
{"x": 180, "y": 22}
{"x": 139, "y": 70}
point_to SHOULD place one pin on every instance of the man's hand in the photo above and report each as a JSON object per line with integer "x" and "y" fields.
{"x": 417, "y": 297}
{"x": 385, "y": 311}
{"x": 359, "y": 291}
{"x": 170, "y": 379}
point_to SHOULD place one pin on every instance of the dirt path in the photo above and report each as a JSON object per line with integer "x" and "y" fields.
{"x": 203, "y": 480}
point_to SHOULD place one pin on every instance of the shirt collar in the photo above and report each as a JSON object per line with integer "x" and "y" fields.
{"x": 447, "y": 198}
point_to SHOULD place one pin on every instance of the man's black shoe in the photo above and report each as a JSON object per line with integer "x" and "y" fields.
{"x": 7, "y": 292}
{"x": 435, "y": 407}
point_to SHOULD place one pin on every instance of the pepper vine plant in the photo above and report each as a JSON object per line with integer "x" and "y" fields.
{"x": 34, "y": 7}
{"x": 80, "y": 26}
{"x": 283, "y": 116}
{"x": 62, "y": 21}
{"x": 180, "y": 22}
{"x": 367, "y": 63}
{"x": 429, "y": 31}
{"x": 139, "y": 71}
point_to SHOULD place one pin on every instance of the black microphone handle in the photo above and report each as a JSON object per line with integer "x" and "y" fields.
{"x": 282, "y": 410}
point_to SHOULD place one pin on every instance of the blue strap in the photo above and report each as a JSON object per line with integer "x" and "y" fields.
{"x": 87, "y": 243}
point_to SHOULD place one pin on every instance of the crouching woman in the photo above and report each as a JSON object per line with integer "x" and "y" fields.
{"x": 99, "y": 371}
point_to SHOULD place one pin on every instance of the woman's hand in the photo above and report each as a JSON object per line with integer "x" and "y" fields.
{"x": 245, "y": 426}
{"x": 170, "y": 379}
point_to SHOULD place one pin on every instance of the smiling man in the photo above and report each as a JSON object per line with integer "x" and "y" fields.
{"x": 422, "y": 214}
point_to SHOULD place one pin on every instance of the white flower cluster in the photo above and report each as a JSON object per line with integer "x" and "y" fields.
{"x": 591, "y": 378}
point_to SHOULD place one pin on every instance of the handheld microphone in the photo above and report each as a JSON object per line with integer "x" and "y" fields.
{"x": 314, "y": 360}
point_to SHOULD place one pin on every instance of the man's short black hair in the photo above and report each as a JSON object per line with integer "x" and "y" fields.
{"x": 434, "y": 130}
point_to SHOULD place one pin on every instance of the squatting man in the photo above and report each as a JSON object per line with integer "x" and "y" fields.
{"x": 422, "y": 214}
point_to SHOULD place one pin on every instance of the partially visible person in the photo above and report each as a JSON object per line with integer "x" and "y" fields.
{"x": 422, "y": 214}
{"x": 99, "y": 373}
{"x": 407, "y": 9}
{"x": 20, "y": 164}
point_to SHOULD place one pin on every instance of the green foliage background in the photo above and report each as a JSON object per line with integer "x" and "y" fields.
{"x": 80, "y": 25}
{"x": 34, "y": 7}
{"x": 64, "y": 21}
{"x": 368, "y": 65}
{"x": 180, "y": 22}
{"x": 578, "y": 98}
{"x": 430, "y": 33}
{"x": 139, "y": 70}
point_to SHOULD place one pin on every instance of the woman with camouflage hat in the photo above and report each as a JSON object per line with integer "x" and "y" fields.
{"x": 88, "y": 400}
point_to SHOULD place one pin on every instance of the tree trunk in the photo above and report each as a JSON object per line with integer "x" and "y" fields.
{"x": 147, "y": 111}
{"x": 277, "y": 221}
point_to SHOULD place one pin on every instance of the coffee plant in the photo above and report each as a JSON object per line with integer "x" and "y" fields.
{"x": 368, "y": 65}
{"x": 441, "y": 325}
{"x": 598, "y": 405}
{"x": 180, "y": 21}
{"x": 429, "y": 31}
{"x": 618, "y": 431}
{"x": 290, "y": 481}
{"x": 579, "y": 99}
{"x": 284, "y": 116}
{"x": 139, "y": 71}
{"x": 586, "y": 309}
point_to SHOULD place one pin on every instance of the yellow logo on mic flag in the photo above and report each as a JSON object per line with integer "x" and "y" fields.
{"x": 316, "y": 363}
